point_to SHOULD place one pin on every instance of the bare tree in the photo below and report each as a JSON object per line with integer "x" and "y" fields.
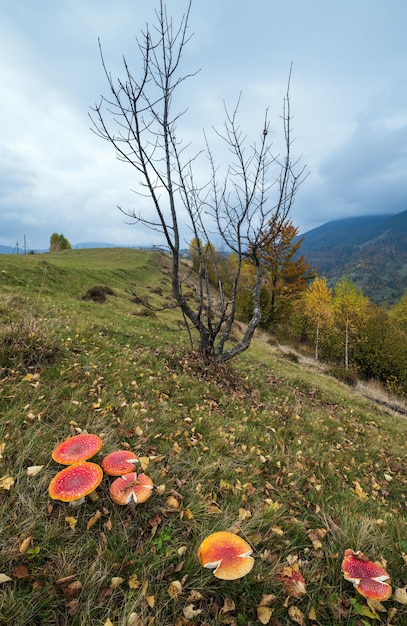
{"x": 257, "y": 190}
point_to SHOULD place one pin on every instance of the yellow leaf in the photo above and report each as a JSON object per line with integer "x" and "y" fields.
{"x": 25, "y": 544}
{"x": 244, "y": 514}
{"x": 30, "y": 377}
{"x": 116, "y": 582}
{"x": 312, "y": 615}
{"x": 6, "y": 482}
{"x": 2, "y": 447}
{"x": 4, "y": 578}
{"x": 71, "y": 521}
{"x": 135, "y": 620}
{"x": 134, "y": 582}
{"x": 296, "y": 615}
{"x": 376, "y": 606}
{"x": 160, "y": 490}
{"x": 172, "y": 502}
{"x": 264, "y": 614}
{"x": 108, "y": 622}
{"x": 175, "y": 589}
{"x": 150, "y": 601}
{"x": 359, "y": 491}
{"x": 278, "y": 531}
{"x": 94, "y": 519}
{"x": 33, "y": 470}
{"x": 144, "y": 462}
{"x": 400, "y": 595}
{"x": 187, "y": 514}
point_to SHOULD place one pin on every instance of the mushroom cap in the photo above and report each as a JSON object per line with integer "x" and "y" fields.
{"x": 374, "y": 589}
{"x": 119, "y": 463}
{"x": 367, "y": 577}
{"x": 77, "y": 448}
{"x": 136, "y": 487}
{"x": 75, "y": 481}
{"x": 228, "y": 553}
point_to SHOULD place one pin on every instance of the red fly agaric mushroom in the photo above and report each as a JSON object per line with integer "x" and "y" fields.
{"x": 75, "y": 482}
{"x": 228, "y": 554}
{"x": 367, "y": 577}
{"x": 77, "y": 448}
{"x": 131, "y": 488}
{"x": 119, "y": 463}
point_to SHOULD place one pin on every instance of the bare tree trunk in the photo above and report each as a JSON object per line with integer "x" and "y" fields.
{"x": 258, "y": 189}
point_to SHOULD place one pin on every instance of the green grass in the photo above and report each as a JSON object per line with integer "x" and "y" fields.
{"x": 262, "y": 446}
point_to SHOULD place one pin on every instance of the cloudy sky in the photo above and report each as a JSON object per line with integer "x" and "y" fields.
{"x": 348, "y": 98}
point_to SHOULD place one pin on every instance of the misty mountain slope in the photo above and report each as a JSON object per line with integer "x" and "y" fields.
{"x": 371, "y": 250}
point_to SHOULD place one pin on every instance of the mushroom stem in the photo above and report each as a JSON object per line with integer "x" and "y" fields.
{"x": 77, "y": 502}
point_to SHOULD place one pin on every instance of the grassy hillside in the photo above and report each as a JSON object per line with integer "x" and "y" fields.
{"x": 293, "y": 461}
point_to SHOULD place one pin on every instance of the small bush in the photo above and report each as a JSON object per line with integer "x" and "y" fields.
{"x": 346, "y": 376}
{"x": 292, "y": 356}
{"x": 98, "y": 293}
{"x": 27, "y": 343}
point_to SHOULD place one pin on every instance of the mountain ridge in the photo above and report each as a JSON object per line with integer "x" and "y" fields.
{"x": 370, "y": 250}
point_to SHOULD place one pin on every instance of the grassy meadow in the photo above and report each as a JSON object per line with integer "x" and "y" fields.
{"x": 298, "y": 464}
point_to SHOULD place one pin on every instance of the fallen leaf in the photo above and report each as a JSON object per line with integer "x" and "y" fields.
{"x": 376, "y": 606}
{"x": 133, "y": 582}
{"x": 293, "y": 582}
{"x": 150, "y": 601}
{"x": 73, "y": 589}
{"x": 21, "y": 571}
{"x": 33, "y": 470}
{"x": 6, "y": 482}
{"x": 144, "y": 462}
{"x": 108, "y": 622}
{"x": 25, "y": 544}
{"x": 267, "y": 599}
{"x": 190, "y": 612}
{"x": 94, "y": 519}
{"x": 135, "y": 620}
{"x": 195, "y": 596}
{"x": 72, "y": 606}
{"x": 228, "y": 606}
{"x": 244, "y": 514}
{"x": 63, "y": 581}
{"x": 400, "y": 595}
{"x": 187, "y": 514}
{"x": 71, "y": 521}
{"x": 312, "y": 615}
{"x": 264, "y": 614}
{"x": 116, "y": 582}
{"x": 172, "y": 502}
{"x": 296, "y": 615}
{"x": 4, "y": 578}
{"x": 175, "y": 589}
{"x": 359, "y": 491}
